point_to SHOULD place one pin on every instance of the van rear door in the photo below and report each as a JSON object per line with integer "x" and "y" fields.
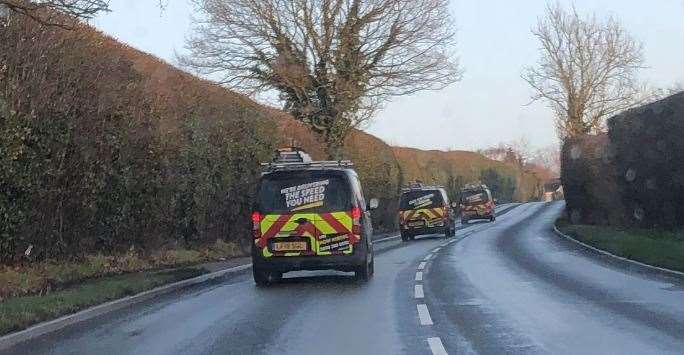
{"x": 304, "y": 213}
{"x": 422, "y": 208}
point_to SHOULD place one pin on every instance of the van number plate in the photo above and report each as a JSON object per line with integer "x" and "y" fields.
{"x": 289, "y": 246}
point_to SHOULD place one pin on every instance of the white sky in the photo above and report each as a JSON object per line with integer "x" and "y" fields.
{"x": 490, "y": 104}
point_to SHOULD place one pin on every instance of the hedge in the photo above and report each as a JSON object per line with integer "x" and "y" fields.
{"x": 649, "y": 161}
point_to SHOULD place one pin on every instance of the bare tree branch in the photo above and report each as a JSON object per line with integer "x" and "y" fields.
{"x": 587, "y": 70}
{"x": 334, "y": 62}
{"x": 50, "y": 12}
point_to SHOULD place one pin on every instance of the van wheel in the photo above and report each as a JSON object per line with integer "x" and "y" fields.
{"x": 263, "y": 277}
{"x": 364, "y": 272}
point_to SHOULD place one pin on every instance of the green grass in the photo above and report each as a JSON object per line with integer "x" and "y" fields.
{"x": 21, "y": 312}
{"x": 44, "y": 277}
{"x": 654, "y": 247}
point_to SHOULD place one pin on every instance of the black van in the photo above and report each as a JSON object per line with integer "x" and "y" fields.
{"x": 425, "y": 210}
{"x": 311, "y": 215}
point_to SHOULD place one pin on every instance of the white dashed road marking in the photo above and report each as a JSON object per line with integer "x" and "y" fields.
{"x": 436, "y": 249}
{"x": 418, "y": 291}
{"x": 427, "y": 257}
{"x": 424, "y": 315}
{"x": 421, "y": 266}
{"x": 419, "y": 276}
{"x": 436, "y": 346}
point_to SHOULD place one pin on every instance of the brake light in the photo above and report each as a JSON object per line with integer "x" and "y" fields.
{"x": 256, "y": 224}
{"x": 356, "y": 212}
{"x": 356, "y": 223}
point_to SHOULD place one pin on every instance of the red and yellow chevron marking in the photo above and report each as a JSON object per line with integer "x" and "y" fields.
{"x": 427, "y": 214}
{"x": 317, "y": 229}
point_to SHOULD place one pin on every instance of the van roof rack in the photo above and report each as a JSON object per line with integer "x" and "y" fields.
{"x": 478, "y": 186}
{"x": 294, "y": 158}
{"x": 277, "y": 166}
{"x": 418, "y": 185}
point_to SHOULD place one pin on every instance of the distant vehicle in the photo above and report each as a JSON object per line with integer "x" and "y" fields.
{"x": 425, "y": 210}
{"x": 477, "y": 203}
{"x": 310, "y": 215}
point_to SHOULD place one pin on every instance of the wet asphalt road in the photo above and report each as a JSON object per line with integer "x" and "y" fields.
{"x": 510, "y": 286}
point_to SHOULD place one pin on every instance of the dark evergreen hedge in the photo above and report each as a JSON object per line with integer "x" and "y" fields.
{"x": 648, "y": 144}
{"x": 588, "y": 179}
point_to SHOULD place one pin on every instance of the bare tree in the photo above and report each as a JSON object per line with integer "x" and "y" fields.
{"x": 587, "y": 70}
{"x": 50, "y": 12}
{"x": 333, "y": 62}
{"x": 547, "y": 157}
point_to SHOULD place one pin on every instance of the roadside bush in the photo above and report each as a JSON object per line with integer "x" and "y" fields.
{"x": 589, "y": 182}
{"x": 649, "y": 155}
{"x": 502, "y": 187}
{"x": 104, "y": 148}
{"x": 454, "y": 169}
{"x": 380, "y": 176}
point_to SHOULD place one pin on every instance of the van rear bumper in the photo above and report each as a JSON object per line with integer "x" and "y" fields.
{"x": 296, "y": 263}
{"x": 425, "y": 230}
{"x": 476, "y": 215}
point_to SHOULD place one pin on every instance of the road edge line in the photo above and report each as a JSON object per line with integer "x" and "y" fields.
{"x": 12, "y": 339}
{"x": 386, "y": 239}
{"x": 620, "y": 258}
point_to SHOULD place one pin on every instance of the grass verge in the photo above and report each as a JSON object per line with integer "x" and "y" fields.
{"x": 47, "y": 276}
{"x": 654, "y": 247}
{"x": 21, "y": 312}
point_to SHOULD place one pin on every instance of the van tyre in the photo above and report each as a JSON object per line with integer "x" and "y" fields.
{"x": 264, "y": 277}
{"x": 405, "y": 237}
{"x": 365, "y": 271}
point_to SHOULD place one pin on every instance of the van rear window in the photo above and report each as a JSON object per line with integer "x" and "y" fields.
{"x": 413, "y": 200}
{"x": 474, "y": 197}
{"x": 304, "y": 192}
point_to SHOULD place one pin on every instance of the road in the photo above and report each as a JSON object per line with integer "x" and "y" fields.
{"x": 511, "y": 286}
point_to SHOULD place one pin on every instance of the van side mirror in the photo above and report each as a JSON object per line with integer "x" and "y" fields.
{"x": 373, "y": 203}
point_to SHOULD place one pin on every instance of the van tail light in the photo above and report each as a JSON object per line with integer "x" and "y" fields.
{"x": 356, "y": 213}
{"x": 356, "y": 221}
{"x": 256, "y": 224}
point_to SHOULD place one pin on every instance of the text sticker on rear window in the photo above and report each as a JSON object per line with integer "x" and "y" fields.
{"x": 305, "y": 196}
{"x": 422, "y": 201}
{"x": 475, "y": 198}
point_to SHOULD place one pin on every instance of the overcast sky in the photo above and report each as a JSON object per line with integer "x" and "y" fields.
{"x": 490, "y": 104}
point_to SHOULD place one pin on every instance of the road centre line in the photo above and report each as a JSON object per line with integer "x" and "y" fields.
{"x": 418, "y": 291}
{"x": 421, "y": 266}
{"x": 424, "y": 314}
{"x": 436, "y": 346}
{"x": 419, "y": 276}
